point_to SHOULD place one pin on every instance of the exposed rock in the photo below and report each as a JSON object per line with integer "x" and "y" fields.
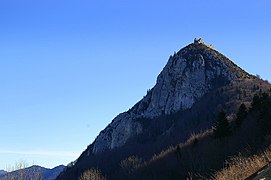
{"x": 188, "y": 75}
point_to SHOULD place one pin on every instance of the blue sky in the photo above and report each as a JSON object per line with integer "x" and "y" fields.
{"x": 67, "y": 68}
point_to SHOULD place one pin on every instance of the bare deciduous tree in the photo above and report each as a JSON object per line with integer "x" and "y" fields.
{"x": 92, "y": 174}
{"x": 19, "y": 171}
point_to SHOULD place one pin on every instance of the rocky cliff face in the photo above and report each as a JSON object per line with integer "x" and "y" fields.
{"x": 187, "y": 76}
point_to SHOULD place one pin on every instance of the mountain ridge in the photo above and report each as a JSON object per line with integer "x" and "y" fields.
{"x": 35, "y": 172}
{"x": 148, "y": 107}
{"x": 2, "y": 172}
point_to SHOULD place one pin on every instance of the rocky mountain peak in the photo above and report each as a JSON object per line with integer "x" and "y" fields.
{"x": 188, "y": 75}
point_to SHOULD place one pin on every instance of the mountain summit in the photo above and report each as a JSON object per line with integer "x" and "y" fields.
{"x": 187, "y": 76}
{"x": 196, "y": 83}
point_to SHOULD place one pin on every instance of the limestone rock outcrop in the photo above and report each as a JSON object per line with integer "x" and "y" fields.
{"x": 187, "y": 76}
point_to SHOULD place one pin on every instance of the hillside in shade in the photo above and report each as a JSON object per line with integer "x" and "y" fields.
{"x": 169, "y": 134}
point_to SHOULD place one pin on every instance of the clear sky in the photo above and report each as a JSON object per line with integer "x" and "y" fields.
{"x": 68, "y": 67}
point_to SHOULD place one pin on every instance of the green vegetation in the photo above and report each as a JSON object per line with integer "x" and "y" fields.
{"x": 241, "y": 115}
{"x": 203, "y": 157}
{"x": 222, "y": 127}
{"x": 261, "y": 104}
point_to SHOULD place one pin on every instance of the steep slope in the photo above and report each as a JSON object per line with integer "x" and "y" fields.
{"x": 188, "y": 75}
{"x": 174, "y": 108}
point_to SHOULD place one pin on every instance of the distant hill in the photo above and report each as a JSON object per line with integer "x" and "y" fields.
{"x": 34, "y": 172}
{"x": 2, "y": 172}
{"x": 178, "y": 116}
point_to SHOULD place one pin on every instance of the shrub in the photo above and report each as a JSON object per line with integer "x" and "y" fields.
{"x": 241, "y": 115}
{"x": 240, "y": 167}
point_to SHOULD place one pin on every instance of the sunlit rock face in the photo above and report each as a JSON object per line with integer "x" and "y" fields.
{"x": 187, "y": 76}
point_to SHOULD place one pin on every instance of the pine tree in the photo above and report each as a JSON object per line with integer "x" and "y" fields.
{"x": 241, "y": 115}
{"x": 261, "y": 104}
{"x": 264, "y": 113}
{"x": 222, "y": 127}
{"x": 255, "y": 102}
